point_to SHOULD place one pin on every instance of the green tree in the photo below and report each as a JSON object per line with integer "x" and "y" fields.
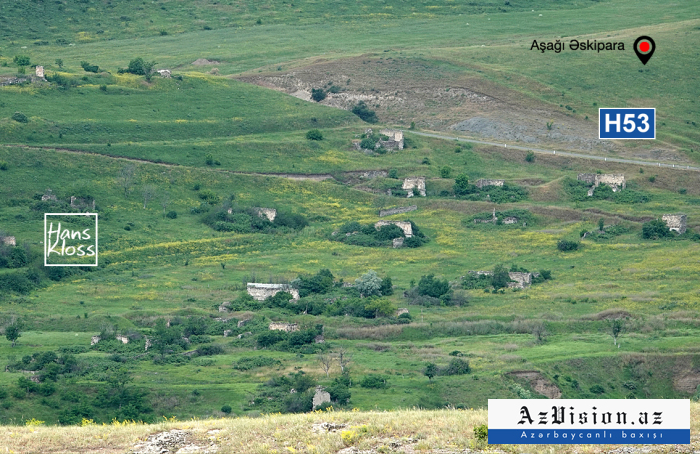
{"x": 616, "y": 327}
{"x": 380, "y": 307}
{"x": 530, "y": 157}
{"x": 654, "y": 230}
{"x": 601, "y": 224}
{"x": 462, "y": 186}
{"x": 59, "y": 62}
{"x": 164, "y": 337}
{"x": 500, "y": 277}
{"x": 445, "y": 172}
{"x": 430, "y": 371}
{"x": 13, "y": 332}
{"x": 21, "y": 60}
{"x": 369, "y": 284}
{"x": 318, "y": 94}
{"x": 362, "y": 111}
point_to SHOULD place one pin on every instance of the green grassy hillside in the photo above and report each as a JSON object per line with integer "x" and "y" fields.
{"x": 166, "y": 159}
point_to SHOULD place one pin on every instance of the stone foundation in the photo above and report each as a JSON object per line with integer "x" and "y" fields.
{"x": 260, "y": 292}
{"x": 483, "y": 182}
{"x": 397, "y": 210}
{"x": 288, "y": 327}
{"x": 269, "y": 213}
{"x": 676, "y": 222}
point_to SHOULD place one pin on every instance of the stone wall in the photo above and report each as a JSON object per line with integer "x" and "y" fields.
{"x": 321, "y": 396}
{"x": 415, "y": 182}
{"x": 397, "y": 243}
{"x": 403, "y": 225}
{"x": 483, "y": 182}
{"x": 397, "y": 210}
{"x": 122, "y": 339}
{"x": 9, "y": 241}
{"x": 676, "y": 222}
{"x": 522, "y": 280}
{"x": 615, "y": 180}
{"x": 401, "y": 311}
{"x": 261, "y": 292}
{"x": 288, "y": 327}
{"x": 77, "y": 202}
{"x": 40, "y": 71}
{"x": 48, "y": 195}
{"x": 164, "y": 73}
{"x": 395, "y": 139}
{"x": 269, "y": 213}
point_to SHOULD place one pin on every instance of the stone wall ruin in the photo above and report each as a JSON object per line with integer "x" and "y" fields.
{"x": 397, "y": 210}
{"x": 403, "y": 225}
{"x": 676, "y": 222}
{"x": 40, "y": 71}
{"x": 9, "y": 241}
{"x": 260, "y": 292}
{"x": 287, "y": 327}
{"x": 415, "y": 182}
{"x": 616, "y": 181}
{"x": 395, "y": 141}
{"x": 269, "y": 213}
{"x": 320, "y": 397}
{"x": 483, "y": 182}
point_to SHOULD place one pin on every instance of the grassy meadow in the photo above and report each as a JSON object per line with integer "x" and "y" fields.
{"x": 165, "y": 159}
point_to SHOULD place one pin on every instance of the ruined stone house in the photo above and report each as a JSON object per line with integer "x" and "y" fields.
{"x": 395, "y": 141}
{"x": 676, "y": 222}
{"x": 615, "y": 181}
{"x": 483, "y": 182}
{"x": 269, "y": 213}
{"x": 122, "y": 339}
{"x": 401, "y": 311}
{"x": 287, "y": 327}
{"x": 79, "y": 202}
{"x": 9, "y": 241}
{"x": 320, "y": 397}
{"x": 397, "y": 242}
{"x": 522, "y": 280}
{"x": 40, "y": 71}
{"x": 414, "y": 182}
{"x": 403, "y": 225}
{"x": 260, "y": 292}
{"x": 164, "y": 73}
{"x": 48, "y": 195}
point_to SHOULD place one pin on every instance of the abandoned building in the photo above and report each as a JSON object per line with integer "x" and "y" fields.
{"x": 40, "y": 71}
{"x": 676, "y": 222}
{"x": 397, "y": 210}
{"x": 494, "y": 219}
{"x": 519, "y": 280}
{"x": 82, "y": 203}
{"x": 401, "y": 311}
{"x": 49, "y": 195}
{"x": 397, "y": 242}
{"x": 615, "y": 181}
{"x": 9, "y": 241}
{"x": 394, "y": 141}
{"x": 287, "y": 327}
{"x": 320, "y": 397}
{"x": 164, "y": 73}
{"x": 403, "y": 225}
{"x": 269, "y": 213}
{"x": 483, "y": 182}
{"x": 260, "y": 292}
{"x": 416, "y": 182}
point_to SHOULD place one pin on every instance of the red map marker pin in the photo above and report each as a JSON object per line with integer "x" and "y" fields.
{"x": 644, "y": 47}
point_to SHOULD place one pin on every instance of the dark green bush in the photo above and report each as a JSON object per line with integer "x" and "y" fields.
{"x": 373, "y": 381}
{"x": 226, "y": 409}
{"x": 457, "y": 366}
{"x": 314, "y": 134}
{"x": 567, "y": 245}
{"x": 430, "y": 286}
{"x": 255, "y": 362}
{"x": 171, "y": 215}
{"x": 362, "y": 111}
{"x": 655, "y": 229}
{"x": 20, "y": 117}
{"x": 87, "y": 67}
{"x": 318, "y": 94}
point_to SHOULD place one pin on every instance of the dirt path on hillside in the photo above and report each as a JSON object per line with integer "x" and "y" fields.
{"x": 404, "y": 90}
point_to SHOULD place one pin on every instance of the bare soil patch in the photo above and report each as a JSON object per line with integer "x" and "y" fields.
{"x": 538, "y": 382}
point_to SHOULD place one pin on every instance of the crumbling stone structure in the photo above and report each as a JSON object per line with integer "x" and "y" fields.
{"x": 260, "y": 292}
{"x": 615, "y": 181}
{"x": 483, "y": 182}
{"x": 78, "y": 202}
{"x": 48, "y": 195}
{"x": 122, "y": 339}
{"x": 510, "y": 220}
{"x": 9, "y": 241}
{"x": 269, "y": 213}
{"x": 321, "y": 397}
{"x": 40, "y": 71}
{"x": 164, "y": 73}
{"x": 223, "y": 307}
{"x": 397, "y": 210}
{"x": 522, "y": 280}
{"x": 242, "y": 323}
{"x": 288, "y": 327}
{"x": 395, "y": 141}
{"x": 94, "y": 340}
{"x": 397, "y": 243}
{"x": 415, "y": 182}
{"x": 403, "y": 225}
{"x": 401, "y": 311}
{"x": 676, "y": 222}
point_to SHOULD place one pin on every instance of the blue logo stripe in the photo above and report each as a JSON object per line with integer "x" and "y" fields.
{"x": 588, "y": 436}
